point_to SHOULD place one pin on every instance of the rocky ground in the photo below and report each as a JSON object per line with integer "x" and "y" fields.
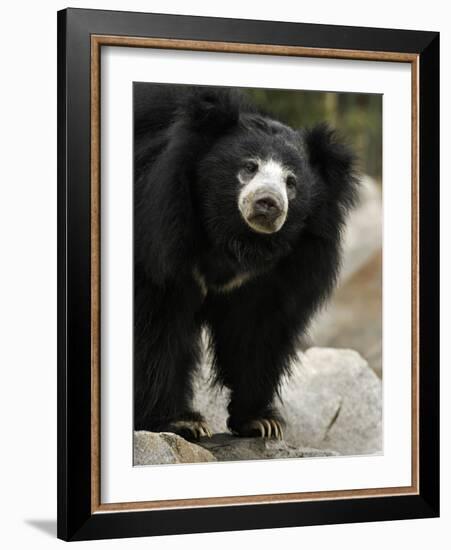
{"x": 332, "y": 404}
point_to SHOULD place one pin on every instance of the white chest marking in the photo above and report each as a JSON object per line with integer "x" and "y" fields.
{"x": 200, "y": 280}
{"x": 232, "y": 284}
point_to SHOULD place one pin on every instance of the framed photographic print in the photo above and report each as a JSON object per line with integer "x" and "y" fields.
{"x": 248, "y": 274}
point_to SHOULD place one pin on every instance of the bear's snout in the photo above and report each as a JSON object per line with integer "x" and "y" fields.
{"x": 264, "y": 211}
{"x": 263, "y": 197}
{"x": 268, "y": 206}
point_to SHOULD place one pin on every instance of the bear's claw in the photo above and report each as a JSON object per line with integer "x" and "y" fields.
{"x": 267, "y": 427}
{"x": 191, "y": 429}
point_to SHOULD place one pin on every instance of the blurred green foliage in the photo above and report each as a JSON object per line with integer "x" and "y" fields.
{"x": 357, "y": 117}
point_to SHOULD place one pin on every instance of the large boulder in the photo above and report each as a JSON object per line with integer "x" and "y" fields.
{"x": 333, "y": 401}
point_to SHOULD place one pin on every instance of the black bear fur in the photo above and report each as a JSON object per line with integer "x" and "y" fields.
{"x": 189, "y": 142}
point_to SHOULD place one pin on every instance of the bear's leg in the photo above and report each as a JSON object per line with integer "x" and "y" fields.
{"x": 163, "y": 393}
{"x": 252, "y": 351}
{"x": 166, "y": 353}
{"x": 251, "y": 370}
{"x": 252, "y": 415}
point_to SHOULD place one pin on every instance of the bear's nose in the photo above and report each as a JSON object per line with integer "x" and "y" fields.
{"x": 267, "y": 206}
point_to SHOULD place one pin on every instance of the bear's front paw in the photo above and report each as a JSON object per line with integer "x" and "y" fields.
{"x": 190, "y": 429}
{"x": 265, "y": 428}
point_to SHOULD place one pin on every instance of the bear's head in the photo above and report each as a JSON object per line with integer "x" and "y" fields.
{"x": 245, "y": 182}
{"x": 256, "y": 180}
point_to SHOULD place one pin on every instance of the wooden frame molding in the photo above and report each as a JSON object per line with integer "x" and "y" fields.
{"x": 97, "y": 41}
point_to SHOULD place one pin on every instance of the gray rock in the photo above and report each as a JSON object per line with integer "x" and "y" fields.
{"x": 166, "y": 448}
{"x": 331, "y": 402}
{"x": 227, "y": 447}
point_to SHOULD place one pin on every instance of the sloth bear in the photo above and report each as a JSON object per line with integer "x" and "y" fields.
{"x": 237, "y": 223}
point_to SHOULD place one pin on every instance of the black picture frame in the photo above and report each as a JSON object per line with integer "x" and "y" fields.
{"x": 76, "y": 518}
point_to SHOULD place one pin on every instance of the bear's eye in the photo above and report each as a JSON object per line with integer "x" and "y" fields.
{"x": 250, "y": 167}
{"x": 291, "y": 182}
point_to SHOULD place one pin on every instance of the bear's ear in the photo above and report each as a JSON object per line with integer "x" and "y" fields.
{"x": 334, "y": 162}
{"x": 212, "y": 111}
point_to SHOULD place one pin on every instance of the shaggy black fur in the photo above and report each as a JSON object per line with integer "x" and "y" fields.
{"x": 189, "y": 143}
